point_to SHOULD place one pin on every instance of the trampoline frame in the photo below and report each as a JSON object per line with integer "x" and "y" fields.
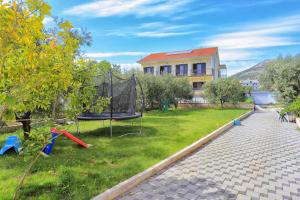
{"x": 110, "y": 115}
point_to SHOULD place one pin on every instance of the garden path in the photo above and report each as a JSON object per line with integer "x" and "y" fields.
{"x": 258, "y": 160}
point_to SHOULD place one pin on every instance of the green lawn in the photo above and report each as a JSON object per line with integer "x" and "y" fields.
{"x": 71, "y": 172}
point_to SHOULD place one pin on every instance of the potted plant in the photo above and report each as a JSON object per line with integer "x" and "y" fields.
{"x": 295, "y": 108}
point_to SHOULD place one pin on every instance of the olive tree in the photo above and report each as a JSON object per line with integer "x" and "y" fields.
{"x": 160, "y": 88}
{"x": 224, "y": 90}
{"x": 283, "y": 75}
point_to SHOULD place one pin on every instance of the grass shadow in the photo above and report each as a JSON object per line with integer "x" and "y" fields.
{"x": 118, "y": 131}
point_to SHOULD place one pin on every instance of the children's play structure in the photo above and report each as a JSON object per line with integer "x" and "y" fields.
{"x": 14, "y": 142}
{"x": 55, "y": 133}
{"x": 123, "y": 105}
{"x": 48, "y": 148}
{"x": 123, "y": 100}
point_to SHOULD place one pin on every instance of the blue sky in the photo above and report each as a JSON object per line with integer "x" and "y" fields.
{"x": 246, "y": 31}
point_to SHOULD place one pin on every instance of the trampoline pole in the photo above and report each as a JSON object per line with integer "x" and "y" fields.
{"x": 141, "y": 126}
{"x": 111, "y": 101}
{"x": 110, "y": 129}
{"x": 77, "y": 125}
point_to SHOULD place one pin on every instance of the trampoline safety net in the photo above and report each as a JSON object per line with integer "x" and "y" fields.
{"x": 123, "y": 96}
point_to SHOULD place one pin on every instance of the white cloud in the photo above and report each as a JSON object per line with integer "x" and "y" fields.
{"x": 104, "y": 8}
{"x": 263, "y": 34}
{"x": 160, "y": 34}
{"x": 167, "y": 27}
{"x": 129, "y": 66}
{"x": 244, "y": 45}
{"x": 114, "y": 54}
{"x": 246, "y": 41}
{"x": 155, "y": 30}
{"x": 234, "y": 67}
{"x": 202, "y": 11}
{"x": 48, "y": 21}
{"x": 152, "y": 25}
{"x": 236, "y": 55}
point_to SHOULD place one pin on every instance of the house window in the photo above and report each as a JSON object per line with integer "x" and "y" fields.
{"x": 197, "y": 85}
{"x": 181, "y": 70}
{"x": 166, "y": 69}
{"x": 199, "y": 69}
{"x": 149, "y": 70}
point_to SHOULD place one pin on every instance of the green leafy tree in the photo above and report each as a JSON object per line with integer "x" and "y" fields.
{"x": 81, "y": 97}
{"x": 39, "y": 68}
{"x": 160, "y": 88}
{"x": 224, "y": 90}
{"x": 116, "y": 69}
{"x": 293, "y": 107}
{"x": 283, "y": 75}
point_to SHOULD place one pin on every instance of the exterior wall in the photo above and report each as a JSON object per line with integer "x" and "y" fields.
{"x": 209, "y": 65}
{"x": 211, "y": 105}
{"x": 206, "y": 78}
{"x": 212, "y": 68}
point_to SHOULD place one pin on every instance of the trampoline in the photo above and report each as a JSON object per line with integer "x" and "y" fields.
{"x": 107, "y": 116}
{"x": 123, "y": 100}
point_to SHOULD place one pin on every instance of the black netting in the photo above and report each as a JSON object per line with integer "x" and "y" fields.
{"x": 123, "y": 98}
{"x": 123, "y": 95}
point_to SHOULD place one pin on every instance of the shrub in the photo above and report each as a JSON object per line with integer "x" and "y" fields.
{"x": 294, "y": 107}
{"x": 283, "y": 75}
{"x": 224, "y": 90}
{"x": 159, "y": 88}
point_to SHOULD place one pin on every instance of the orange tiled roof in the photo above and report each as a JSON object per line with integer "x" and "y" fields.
{"x": 180, "y": 54}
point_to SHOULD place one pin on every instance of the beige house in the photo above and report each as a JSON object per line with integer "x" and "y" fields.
{"x": 198, "y": 65}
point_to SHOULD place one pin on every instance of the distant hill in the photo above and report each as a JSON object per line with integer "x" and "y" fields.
{"x": 252, "y": 73}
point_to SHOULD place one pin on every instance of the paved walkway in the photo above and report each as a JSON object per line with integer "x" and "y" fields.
{"x": 258, "y": 160}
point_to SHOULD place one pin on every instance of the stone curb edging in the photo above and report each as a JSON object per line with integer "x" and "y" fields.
{"x": 132, "y": 182}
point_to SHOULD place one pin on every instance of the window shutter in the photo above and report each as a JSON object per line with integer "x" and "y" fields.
{"x": 199, "y": 69}
{"x": 169, "y": 69}
{"x": 204, "y": 68}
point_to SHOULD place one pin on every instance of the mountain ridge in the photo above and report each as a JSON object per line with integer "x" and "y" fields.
{"x": 252, "y": 73}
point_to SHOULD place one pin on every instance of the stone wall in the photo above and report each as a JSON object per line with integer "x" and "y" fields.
{"x": 211, "y": 105}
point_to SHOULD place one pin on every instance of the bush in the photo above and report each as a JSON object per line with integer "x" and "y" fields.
{"x": 294, "y": 107}
{"x": 283, "y": 75}
{"x": 224, "y": 90}
{"x": 159, "y": 88}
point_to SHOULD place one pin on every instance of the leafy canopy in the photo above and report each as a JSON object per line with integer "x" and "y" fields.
{"x": 224, "y": 90}
{"x": 294, "y": 107}
{"x": 38, "y": 66}
{"x": 160, "y": 88}
{"x": 283, "y": 75}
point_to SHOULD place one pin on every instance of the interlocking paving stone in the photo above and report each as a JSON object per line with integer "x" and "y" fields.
{"x": 258, "y": 160}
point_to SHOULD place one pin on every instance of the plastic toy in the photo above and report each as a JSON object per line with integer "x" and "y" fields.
{"x": 70, "y": 136}
{"x": 48, "y": 148}
{"x": 237, "y": 122}
{"x": 11, "y": 142}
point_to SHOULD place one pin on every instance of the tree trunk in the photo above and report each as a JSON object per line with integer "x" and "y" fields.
{"x": 221, "y": 101}
{"x": 25, "y": 120}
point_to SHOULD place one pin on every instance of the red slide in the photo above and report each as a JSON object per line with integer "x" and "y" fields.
{"x": 70, "y": 136}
